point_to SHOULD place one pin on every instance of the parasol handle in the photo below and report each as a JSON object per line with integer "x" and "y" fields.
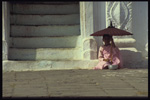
{"x": 111, "y": 52}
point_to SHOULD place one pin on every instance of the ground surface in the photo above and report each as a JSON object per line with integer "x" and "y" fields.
{"x": 76, "y": 83}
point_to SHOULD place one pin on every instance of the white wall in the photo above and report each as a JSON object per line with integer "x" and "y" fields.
{"x": 99, "y": 19}
{"x": 140, "y": 25}
{"x": 6, "y": 29}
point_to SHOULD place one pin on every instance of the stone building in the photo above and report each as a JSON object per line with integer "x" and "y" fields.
{"x": 56, "y": 35}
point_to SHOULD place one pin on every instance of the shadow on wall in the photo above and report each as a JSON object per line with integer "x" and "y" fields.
{"x": 133, "y": 60}
{"x": 99, "y": 43}
{"x": 32, "y": 49}
{"x": 140, "y": 24}
{"x": 22, "y": 54}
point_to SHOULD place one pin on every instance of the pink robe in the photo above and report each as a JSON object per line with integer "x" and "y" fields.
{"x": 104, "y": 53}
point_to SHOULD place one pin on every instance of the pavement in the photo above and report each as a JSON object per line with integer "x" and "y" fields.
{"x": 76, "y": 83}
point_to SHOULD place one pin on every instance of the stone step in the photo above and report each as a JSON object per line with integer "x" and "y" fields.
{"x": 45, "y": 54}
{"x": 45, "y": 9}
{"x": 48, "y": 65}
{"x": 45, "y": 19}
{"x": 37, "y": 2}
{"x": 51, "y": 30}
{"x": 46, "y": 42}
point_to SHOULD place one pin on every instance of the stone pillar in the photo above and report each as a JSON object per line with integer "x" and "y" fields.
{"x": 120, "y": 13}
{"x": 5, "y": 28}
{"x": 89, "y": 49}
{"x": 87, "y": 28}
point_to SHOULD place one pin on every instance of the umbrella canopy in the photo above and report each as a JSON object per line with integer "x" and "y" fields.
{"x": 111, "y": 30}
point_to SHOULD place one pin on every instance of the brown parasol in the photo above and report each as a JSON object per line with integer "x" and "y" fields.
{"x": 111, "y": 30}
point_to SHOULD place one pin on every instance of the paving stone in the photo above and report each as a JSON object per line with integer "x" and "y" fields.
{"x": 121, "y": 92}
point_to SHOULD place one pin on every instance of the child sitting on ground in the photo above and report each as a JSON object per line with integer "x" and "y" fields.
{"x": 108, "y": 55}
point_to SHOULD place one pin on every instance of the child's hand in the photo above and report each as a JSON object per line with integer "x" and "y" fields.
{"x": 107, "y": 60}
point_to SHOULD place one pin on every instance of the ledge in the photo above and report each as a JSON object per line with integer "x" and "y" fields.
{"x": 125, "y": 42}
